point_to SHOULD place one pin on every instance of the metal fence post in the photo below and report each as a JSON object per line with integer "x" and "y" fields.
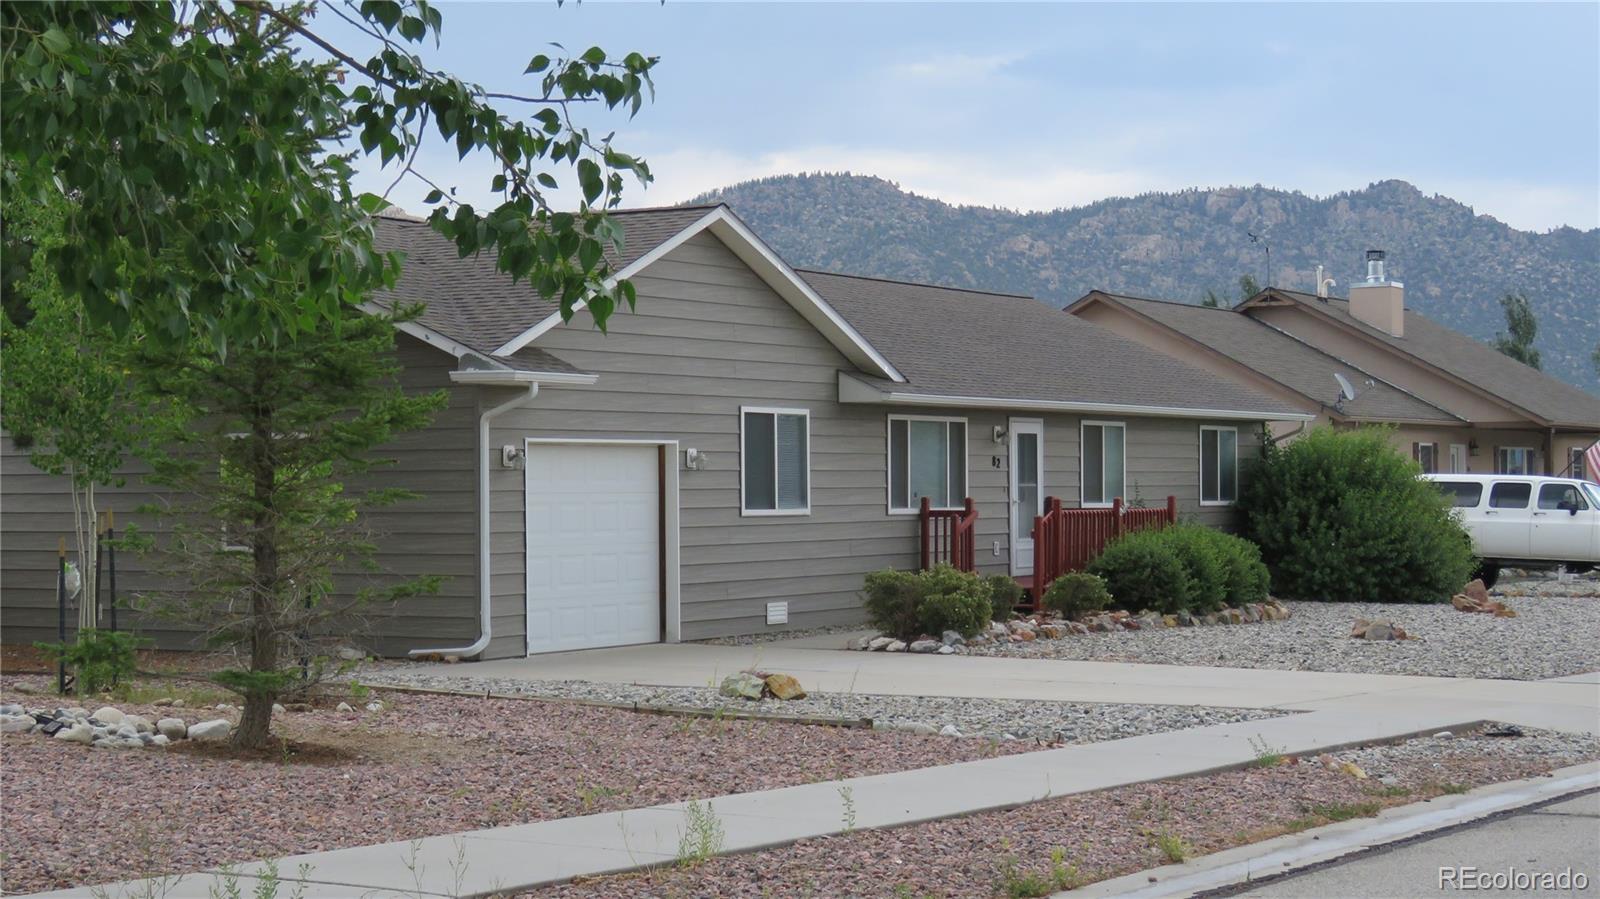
{"x": 61, "y": 613}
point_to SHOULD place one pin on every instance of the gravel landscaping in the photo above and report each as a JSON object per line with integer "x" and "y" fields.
{"x": 1047, "y": 722}
{"x": 421, "y": 766}
{"x": 1101, "y": 835}
{"x": 1552, "y": 636}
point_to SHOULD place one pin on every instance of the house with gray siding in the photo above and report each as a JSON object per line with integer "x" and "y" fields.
{"x": 730, "y": 457}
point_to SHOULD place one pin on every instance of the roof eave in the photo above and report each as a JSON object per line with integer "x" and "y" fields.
{"x": 852, "y": 390}
{"x": 510, "y": 377}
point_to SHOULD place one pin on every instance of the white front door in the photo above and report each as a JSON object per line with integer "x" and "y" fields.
{"x": 594, "y": 545}
{"x": 1458, "y": 458}
{"x": 1027, "y": 494}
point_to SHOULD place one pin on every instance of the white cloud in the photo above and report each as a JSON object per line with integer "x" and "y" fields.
{"x": 964, "y": 67}
{"x": 1530, "y": 207}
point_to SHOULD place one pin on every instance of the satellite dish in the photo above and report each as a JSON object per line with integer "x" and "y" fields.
{"x": 1347, "y": 391}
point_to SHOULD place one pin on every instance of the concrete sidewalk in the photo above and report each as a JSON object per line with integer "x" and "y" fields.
{"x": 520, "y": 857}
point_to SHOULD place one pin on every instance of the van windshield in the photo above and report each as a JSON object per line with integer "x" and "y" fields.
{"x": 1594, "y": 493}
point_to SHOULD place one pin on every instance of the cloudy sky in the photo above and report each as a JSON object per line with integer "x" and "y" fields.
{"x": 1041, "y": 106}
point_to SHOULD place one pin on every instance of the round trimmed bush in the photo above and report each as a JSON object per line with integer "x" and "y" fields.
{"x": 1246, "y": 575}
{"x": 1142, "y": 572}
{"x": 905, "y": 604}
{"x": 1076, "y": 593}
{"x": 1342, "y": 516}
{"x": 1196, "y": 546}
{"x": 1004, "y": 594}
{"x": 965, "y": 611}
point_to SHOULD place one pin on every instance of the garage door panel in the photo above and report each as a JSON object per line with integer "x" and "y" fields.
{"x": 594, "y": 550}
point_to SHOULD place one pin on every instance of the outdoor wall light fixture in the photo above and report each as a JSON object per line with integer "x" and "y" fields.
{"x": 999, "y": 433}
{"x": 693, "y": 459}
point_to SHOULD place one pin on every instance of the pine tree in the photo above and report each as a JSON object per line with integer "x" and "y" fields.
{"x": 1521, "y": 329}
{"x": 265, "y": 469}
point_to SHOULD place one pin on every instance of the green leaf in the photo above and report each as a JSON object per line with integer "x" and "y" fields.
{"x": 55, "y": 40}
{"x": 589, "y": 180}
{"x": 537, "y": 64}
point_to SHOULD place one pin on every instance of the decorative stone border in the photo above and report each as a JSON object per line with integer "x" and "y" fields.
{"x": 1049, "y": 626}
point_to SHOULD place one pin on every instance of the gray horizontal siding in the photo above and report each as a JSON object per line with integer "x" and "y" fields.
{"x": 709, "y": 336}
{"x": 434, "y": 535}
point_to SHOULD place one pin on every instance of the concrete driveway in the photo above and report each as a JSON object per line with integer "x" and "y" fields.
{"x": 1568, "y": 704}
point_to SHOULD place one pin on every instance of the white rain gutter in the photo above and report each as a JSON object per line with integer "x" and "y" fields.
{"x": 485, "y": 572}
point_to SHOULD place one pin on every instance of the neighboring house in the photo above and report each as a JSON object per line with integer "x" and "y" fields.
{"x": 733, "y": 456}
{"x": 1456, "y": 404}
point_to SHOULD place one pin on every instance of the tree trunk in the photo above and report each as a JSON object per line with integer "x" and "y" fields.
{"x": 255, "y": 722}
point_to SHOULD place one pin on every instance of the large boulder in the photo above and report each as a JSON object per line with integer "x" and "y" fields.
{"x": 108, "y": 715}
{"x": 742, "y": 685}
{"x": 784, "y": 686}
{"x": 79, "y": 732}
{"x": 214, "y": 731}
{"x": 1476, "y": 591}
{"x": 924, "y": 646}
{"x": 16, "y": 724}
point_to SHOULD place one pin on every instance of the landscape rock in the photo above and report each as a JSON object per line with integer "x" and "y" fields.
{"x": 139, "y": 723}
{"x": 160, "y": 740}
{"x": 375, "y": 706}
{"x": 108, "y": 715}
{"x": 878, "y": 644}
{"x": 924, "y": 646}
{"x": 172, "y": 728}
{"x": 278, "y": 709}
{"x": 177, "y": 703}
{"x": 744, "y": 684}
{"x": 214, "y": 731}
{"x": 1476, "y": 591}
{"x": 784, "y": 686}
{"x": 345, "y": 707}
{"x": 953, "y": 638}
{"x": 949, "y": 730}
{"x": 947, "y": 650}
{"x": 895, "y": 646}
{"x": 163, "y": 701}
{"x": 862, "y": 643}
{"x": 350, "y": 654}
{"x": 16, "y": 724}
{"x": 79, "y": 732}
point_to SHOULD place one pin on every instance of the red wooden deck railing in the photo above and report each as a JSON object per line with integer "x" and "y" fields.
{"x": 1067, "y": 539}
{"x": 947, "y": 535}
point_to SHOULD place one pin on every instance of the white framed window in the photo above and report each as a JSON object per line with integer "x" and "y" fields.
{"x": 927, "y": 458}
{"x": 1102, "y": 449}
{"x": 1426, "y": 455}
{"x": 774, "y": 461}
{"x": 1513, "y": 460}
{"x": 1219, "y": 465}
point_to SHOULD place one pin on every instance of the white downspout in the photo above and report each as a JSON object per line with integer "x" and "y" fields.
{"x": 485, "y": 573}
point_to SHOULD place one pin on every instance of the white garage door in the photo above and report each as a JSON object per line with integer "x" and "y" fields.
{"x": 594, "y": 546}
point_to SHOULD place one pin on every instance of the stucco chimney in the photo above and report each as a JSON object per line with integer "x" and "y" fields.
{"x": 1377, "y": 301}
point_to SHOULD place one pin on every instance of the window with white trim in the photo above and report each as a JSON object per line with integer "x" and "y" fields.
{"x": 1426, "y": 455}
{"x": 1105, "y": 467}
{"x": 1576, "y": 465}
{"x": 1513, "y": 460}
{"x": 775, "y": 461}
{"x": 1219, "y": 465}
{"x": 927, "y": 458}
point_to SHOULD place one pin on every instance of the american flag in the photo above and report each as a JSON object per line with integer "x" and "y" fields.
{"x": 1591, "y": 462}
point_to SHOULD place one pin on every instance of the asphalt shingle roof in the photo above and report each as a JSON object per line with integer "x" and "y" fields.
{"x": 1289, "y": 361}
{"x": 953, "y": 342}
{"x": 1475, "y": 362}
{"x": 470, "y": 301}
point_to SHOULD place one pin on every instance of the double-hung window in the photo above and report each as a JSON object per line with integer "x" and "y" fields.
{"x": 775, "y": 461}
{"x": 1104, "y": 468}
{"x": 1219, "y": 465}
{"x": 927, "y": 458}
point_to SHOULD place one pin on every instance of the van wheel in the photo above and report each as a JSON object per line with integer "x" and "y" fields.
{"x": 1488, "y": 572}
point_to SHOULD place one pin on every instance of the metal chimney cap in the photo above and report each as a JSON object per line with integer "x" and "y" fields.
{"x": 1375, "y": 255}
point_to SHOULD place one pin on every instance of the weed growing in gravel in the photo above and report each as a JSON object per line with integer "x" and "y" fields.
{"x": 847, "y": 797}
{"x": 1452, "y": 789}
{"x": 1267, "y": 756}
{"x": 1063, "y": 876}
{"x": 1388, "y": 792}
{"x": 702, "y": 836}
{"x": 591, "y": 795}
{"x": 1344, "y": 811}
{"x": 1172, "y": 846}
{"x": 1018, "y": 884}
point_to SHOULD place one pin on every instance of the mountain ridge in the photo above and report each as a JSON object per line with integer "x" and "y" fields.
{"x": 1177, "y": 245}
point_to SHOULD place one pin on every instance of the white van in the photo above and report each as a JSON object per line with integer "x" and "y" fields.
{"x": 1526, "y": 521}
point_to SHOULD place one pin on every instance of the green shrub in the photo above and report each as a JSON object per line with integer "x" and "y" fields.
{"x": 1246, "y": 575}
{"x": 891, "y": 598}
{"x": 1342, "y": 516}
{"x": 1197, "y": 547}
{"x": 1004, "y": 595}
{"x": 1142, "y": 572}
{"x": 966, "y": 611}
{"x": 905, "y": 604}
{"x": 97, "y": 659}
{"x": 1076, "y": 593}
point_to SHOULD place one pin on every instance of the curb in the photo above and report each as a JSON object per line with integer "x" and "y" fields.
{"x": 1271, "y": 859}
